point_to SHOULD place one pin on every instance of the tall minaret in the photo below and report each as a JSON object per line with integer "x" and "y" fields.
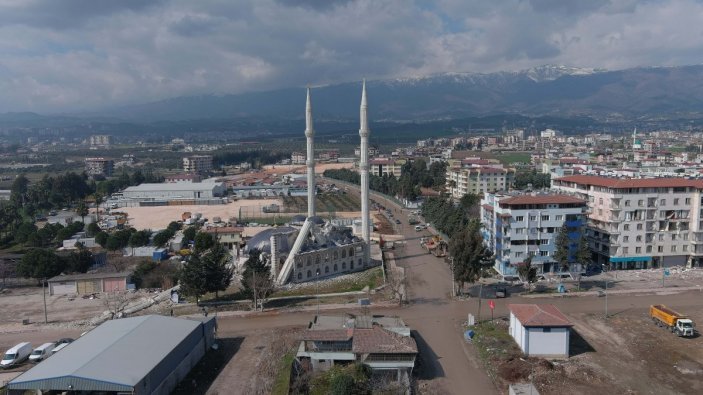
{"x": 364, "y": 168}
{"x": 309, "y": 133}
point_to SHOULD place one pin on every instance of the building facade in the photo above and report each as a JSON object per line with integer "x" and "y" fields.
{"x": 197, "y": 164}
{"x": 641, "y": 223}
{"x": 540, "y": 330}
{"x": 515, "y": 227}
{"x": 297, "y": 158}
{"x": 386, "y": 167}
{"x": 478, "y": 180}
{"x": 99, "y": 167}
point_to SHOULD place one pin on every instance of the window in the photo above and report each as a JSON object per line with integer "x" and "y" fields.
{"x": 519, "y": 218}
{"x": 640, "y": 203}
{"x": 627, "y": 203}
{"x": 351, "y": 252}
{"x": 687, "y": 201}
{"x": 638, "y": 239}
{"x": 662, "y": 202}
{"x": 639, "y": 226}
{"x": 600, "y": 201}
{"x": 673, "y": 248}
{"x": 519, "y": 231}
{"x": 673, "y": 237}
{"x": 336, "y": 255}
{"x": 660, "y": 248}
{"x": 335, "y": 268}
{"x": 625, "y": 239}
{"x": 299, "y": 263}
{"x": 638, "y": 250}
{"x": 545, "y": 218}
{"x": 300, "y": 276}
{"x": 649, "y": 249}
{"x": 685, "y": 236}
{"x": 518, "y": 254}
{"x": 676, "y": 202}
{"x": 661, "y": 237}
{"x": 344, "y": 266}
{"x": 317, "y": 260}
{"x": 309, "y": 274}
{"x": 685, "y": 248}
{"x": 533, "y": 218}
{"x": 327, "y": 269}
{"x": 626, "y": 227}
{"x": 544, "y": 241}
{"x": 544, "y": 253}
{"x": 625, "y": 250}
{"x": 559, "y": 217}
{"x": 359, "y": 263}
{"x": 351, "y": 265}
{"x": 309, "y": 263}
{"x": 344, "y": 253}
{"x": 600, "y": 212}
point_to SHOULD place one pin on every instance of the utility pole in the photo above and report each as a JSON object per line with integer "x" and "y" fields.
{"x": 606, "y": 298}
{"x": 43, "y": 291}
{"x": 452, "y": 279}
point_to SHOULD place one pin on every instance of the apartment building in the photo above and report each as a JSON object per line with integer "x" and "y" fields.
{"x": 99, "y": 167}
{"x": 515, "y": 227}
{"x": 197, "y": 164}
{"x": 478, "y": 179}
{"x": 386, "y": 166}
{"x": 297, "y": 158}
{"x": 641, "y": 223}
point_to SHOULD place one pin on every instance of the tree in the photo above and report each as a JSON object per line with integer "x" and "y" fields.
{"x": 80, "y": 261}
{"x": 470, "y": 256}
{"x": 256, "y": 278}
{"x": 189, "y": 233}
{"x": 527, "y": 272}
{"x": 204, "y": 241}
{"x": 217, "y": 272}
{"x": 174, "y": 226}
{"x": 162, "y": 238}
{"x": 113, "y": 243}
{"x": 396, "y": 283}
{"x": 18, "y": 190}
{"x": 101, "y": 238}
{"x": 82, "y": 210}
{"x": 41, "y": 263}
{"x": 99, "y": 198}
{"x": 93, "y": 229}
{"x": 562, "y": 248}
{"x": 139, "y": 238}
{"x": 23, "y": 232}
{"x": 193, "y": 278}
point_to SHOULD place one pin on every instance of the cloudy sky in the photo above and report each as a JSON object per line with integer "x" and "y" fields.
{"x": 76, "y": 55}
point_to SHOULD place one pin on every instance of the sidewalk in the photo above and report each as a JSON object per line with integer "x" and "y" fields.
{"x": 671, "y": 289}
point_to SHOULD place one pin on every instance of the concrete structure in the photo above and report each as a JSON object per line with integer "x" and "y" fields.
{"x": 639, "y": 223}
{"x": 99, "y": 167}
{"x": 478, "y": 179}
{"x": 175, "y": 191}
{"x": 140, "y": 355}
{"x": 80, "y": 237}
{"x": 88, "y": 283}
{"x": 364, "y": 168}
{"x": 100, "y": 140}
{"x": 297, "y": 158}
{"x": 386, "y": 167}
{"x": 310, "y": 163}
{"x": 540, "y": 330}
{"x": 201, "y": 164}
{"x": 382, "y": 343}
{"x": 515, "y": 227}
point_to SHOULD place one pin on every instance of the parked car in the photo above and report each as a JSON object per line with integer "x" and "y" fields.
{"x": 16, "y": 355}
{"x": 65, "y": 340}
{"x": 42, "y": 352}
{"x": 418, "y": 228}
{"x": 397, "y": 221}
{"x": 59, "y": 348}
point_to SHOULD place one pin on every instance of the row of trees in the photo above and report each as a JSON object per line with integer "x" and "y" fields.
{"x": 538, "y": 180}
{"x": 44, "y": 263}
{"x": 448, "y": 217}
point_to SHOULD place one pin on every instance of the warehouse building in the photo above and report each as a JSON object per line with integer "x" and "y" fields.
{"x": 140, "y": 355}
{"x": 175, "y": 190}
{"x": 88, "y": 283}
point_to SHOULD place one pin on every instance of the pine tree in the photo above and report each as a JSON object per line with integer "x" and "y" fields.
{"x": 561, "y": 252}
{"x": 218, "y": 275}
{"x": 193, "y": 278}
{"x": 470, "y": 256}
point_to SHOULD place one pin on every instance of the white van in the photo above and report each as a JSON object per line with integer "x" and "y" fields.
{"x": 16, "y": 355}
{"x": 42, "y": 352}
{"x": 59, "y": 348}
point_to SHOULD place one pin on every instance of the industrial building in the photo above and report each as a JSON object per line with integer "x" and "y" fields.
{"x": 88, "y": 283}
{"x": 140, "y": 355}
{"x": 175, "y": 191}
{"x": 540, "y": 330}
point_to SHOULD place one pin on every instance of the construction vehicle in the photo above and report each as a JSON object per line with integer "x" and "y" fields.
{"x": 672, "y": 320}
{"x": 435, "y": 246}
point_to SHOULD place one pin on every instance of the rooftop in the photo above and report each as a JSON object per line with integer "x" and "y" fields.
{"x": 174, "y": 186}
{"x": 541, "y": 199}
{"x": 88, "y": 276}
{"x": 632, "y": 182}
{"x": 531, "y": 315}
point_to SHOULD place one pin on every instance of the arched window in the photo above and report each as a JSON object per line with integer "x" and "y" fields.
{"x": 327, "y": 256}
{"x": 351, "y": 252}
{"x": 317, "y": 260}
{"x": 309, "y": 274}
{"x": 327, "y": 269}
{"x": 299, "y": 263}
{"x": 335, "y": 268}
{"x": 344, "y": 253}
{"x": 336, "y": 255}
{"x": 300, "y": 276}
{"x": 309, "y": 262}
{"x": 344, "y": 266}
{"x": 351, "y": 265}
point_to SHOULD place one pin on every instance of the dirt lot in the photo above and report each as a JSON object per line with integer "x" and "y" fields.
{"x": 628, "y": 354}
{"x": 27, "y": 303}
{"x": 246, "y": 363}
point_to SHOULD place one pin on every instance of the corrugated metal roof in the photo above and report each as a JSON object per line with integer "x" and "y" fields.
{"x": 115, "y": 356}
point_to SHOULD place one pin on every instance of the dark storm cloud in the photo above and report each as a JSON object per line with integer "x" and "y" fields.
{"x": 74, "y": 55}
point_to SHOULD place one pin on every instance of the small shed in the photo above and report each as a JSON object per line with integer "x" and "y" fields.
{"x": 88, "y": 283}
{"x": 540, "y": 330}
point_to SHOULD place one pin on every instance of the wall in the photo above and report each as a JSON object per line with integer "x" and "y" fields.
{"x": 554, "y": 343}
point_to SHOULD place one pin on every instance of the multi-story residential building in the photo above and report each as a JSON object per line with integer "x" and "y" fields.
{"x": 297, "y": 158}
{"x": 478, "y": 179}
{"x": 640, "y": 223}
{"x": 373, "y": 151}
{"x": 386, "y": 166}
{"x": 197, "y": 164}
{"x": 100, "y": 140}
{"x": 516, "y": 227}
{"x": 99, "y": 167}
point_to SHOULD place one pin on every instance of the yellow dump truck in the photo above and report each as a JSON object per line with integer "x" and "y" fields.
{"x": 672, "y": 320}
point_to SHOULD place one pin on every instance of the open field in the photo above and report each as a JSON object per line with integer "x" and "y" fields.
{"x": 625, "y": 354}
{"x": 301, "y": 169}
{"x": 324, "y": 203}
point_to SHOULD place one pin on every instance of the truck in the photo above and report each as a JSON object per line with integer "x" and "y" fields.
{"x": 16, "y": 355}
{"x": 672, "y": 320}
